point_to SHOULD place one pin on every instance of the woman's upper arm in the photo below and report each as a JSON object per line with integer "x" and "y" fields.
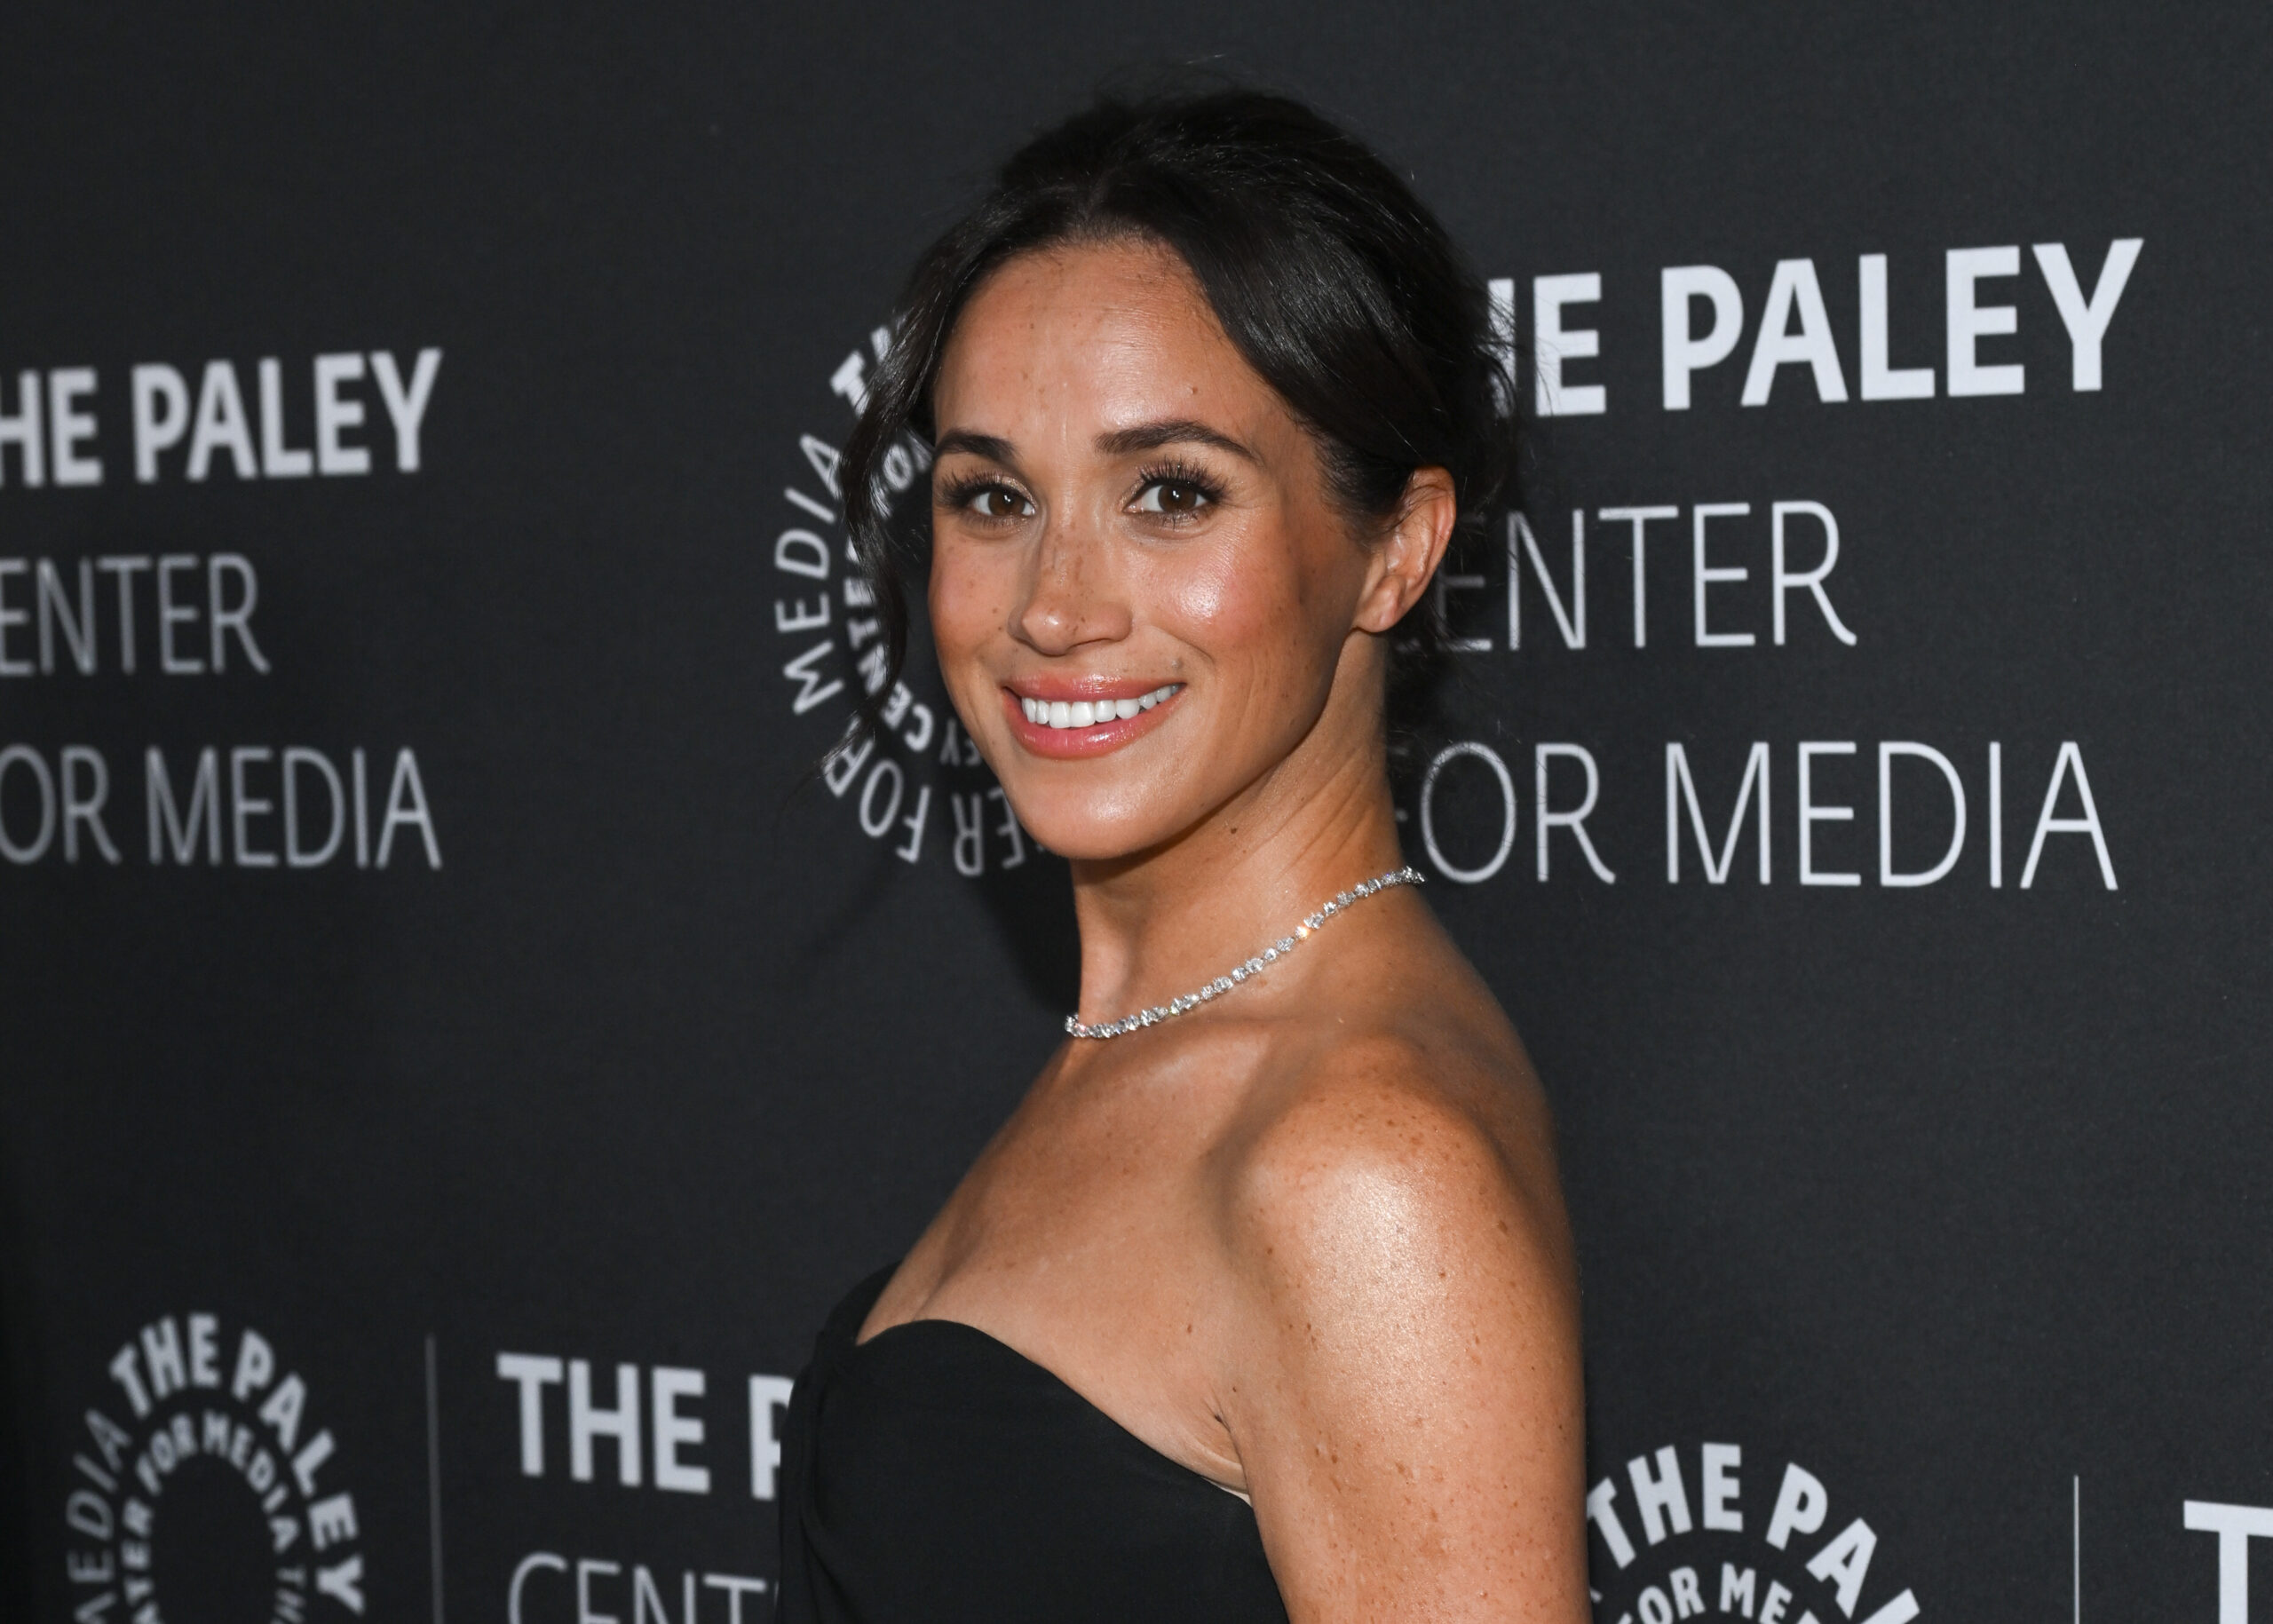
{"x": 1401, "y": 1379}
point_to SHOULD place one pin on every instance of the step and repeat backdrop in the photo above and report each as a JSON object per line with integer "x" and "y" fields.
{"x": 454, "y": 1048}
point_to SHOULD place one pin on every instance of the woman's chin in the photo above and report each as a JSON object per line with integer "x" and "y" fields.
{"x": 1078, "y": 830}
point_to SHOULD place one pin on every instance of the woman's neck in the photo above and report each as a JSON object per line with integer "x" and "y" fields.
{"x": 1158, "y": 925}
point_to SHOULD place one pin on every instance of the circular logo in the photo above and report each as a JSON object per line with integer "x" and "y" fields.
{"x": 917, "y": 786}
{"x": 1695, "y": 1530}
{"x": 205, "y": 1491}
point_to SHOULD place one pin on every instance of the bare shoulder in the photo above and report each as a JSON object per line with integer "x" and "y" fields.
{"x": 1394, "y": 1159}
{"x": 1398, "y": 1367}
{"x": 1414, "y": 1098}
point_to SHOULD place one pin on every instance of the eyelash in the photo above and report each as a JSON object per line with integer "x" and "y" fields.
{"x": 960, "y": 493}
{"x": 1174, "y": 472}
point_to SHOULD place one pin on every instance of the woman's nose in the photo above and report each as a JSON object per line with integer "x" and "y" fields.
{"x": 1072, "y": 595}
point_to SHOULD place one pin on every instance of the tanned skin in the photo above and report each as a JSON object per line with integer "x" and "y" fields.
{"x": 1307, "y": 1239}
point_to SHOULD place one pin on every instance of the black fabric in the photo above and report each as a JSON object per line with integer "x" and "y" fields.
{"x": 932, "y": 1472}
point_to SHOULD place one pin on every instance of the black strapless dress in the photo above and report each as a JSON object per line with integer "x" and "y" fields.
{"x": 933, "y": 1472}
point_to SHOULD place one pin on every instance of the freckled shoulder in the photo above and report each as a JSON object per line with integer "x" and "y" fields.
{"x": 1399, "y": 1380}
{"x": 1386, "y": 1140}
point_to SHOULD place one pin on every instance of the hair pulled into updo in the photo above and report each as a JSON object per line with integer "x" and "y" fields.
{"x": 1333, "y": 280}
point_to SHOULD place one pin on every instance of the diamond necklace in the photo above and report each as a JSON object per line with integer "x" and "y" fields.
{"x": 1279, "y": 949}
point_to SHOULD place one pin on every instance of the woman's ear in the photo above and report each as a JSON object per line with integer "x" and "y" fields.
{"x": 1405, "y": 559}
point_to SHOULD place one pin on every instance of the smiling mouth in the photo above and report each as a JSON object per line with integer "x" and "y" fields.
{"x": 1064, "y": 715}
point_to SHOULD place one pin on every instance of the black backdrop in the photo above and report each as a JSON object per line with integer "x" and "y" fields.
{"x": 1939, "y": 1208}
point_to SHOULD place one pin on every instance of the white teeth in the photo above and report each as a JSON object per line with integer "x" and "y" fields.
{"x": 1086, "y": 713}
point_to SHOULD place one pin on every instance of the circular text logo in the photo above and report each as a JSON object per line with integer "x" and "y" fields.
{"x": 206, "y": 1487}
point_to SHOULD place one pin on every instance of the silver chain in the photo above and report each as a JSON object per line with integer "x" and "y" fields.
{"x": 1279, "y": 949}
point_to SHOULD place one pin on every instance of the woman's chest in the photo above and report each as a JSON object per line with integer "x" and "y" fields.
{"x": 1090, "y": 1247}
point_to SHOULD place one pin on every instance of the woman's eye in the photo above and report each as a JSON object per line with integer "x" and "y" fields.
{"x": 999, "y": 501}
{"x": 1176, "y": 496}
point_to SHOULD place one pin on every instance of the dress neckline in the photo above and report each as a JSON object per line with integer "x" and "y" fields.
{"x": 855, "y": 1312}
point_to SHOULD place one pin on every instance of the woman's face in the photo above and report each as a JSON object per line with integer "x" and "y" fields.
{"x": 1140, "y": 593}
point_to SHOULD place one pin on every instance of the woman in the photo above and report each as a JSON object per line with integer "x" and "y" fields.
{"x": 1262, "y": 1305}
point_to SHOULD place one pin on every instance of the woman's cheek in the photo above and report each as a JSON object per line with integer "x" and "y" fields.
{"x": 965, "y": 604}
{"x": 1224, "y": 596}
{"x": 964, "y": 615}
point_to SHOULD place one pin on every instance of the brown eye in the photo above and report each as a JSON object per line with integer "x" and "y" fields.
{"x": 1180, "y": 497}
{"x": 999, "y": 501}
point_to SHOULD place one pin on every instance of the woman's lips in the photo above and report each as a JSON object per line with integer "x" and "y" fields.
{"x": 1070, "y": 729}
{"x": 1089, "y": 711}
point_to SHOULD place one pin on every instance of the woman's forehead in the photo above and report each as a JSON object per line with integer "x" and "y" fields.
{"x": 1117, "y": 331}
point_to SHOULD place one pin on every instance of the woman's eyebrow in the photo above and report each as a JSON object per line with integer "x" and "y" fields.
{"x": 992, "y": 446}
{"x": 1152, "y": 436}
